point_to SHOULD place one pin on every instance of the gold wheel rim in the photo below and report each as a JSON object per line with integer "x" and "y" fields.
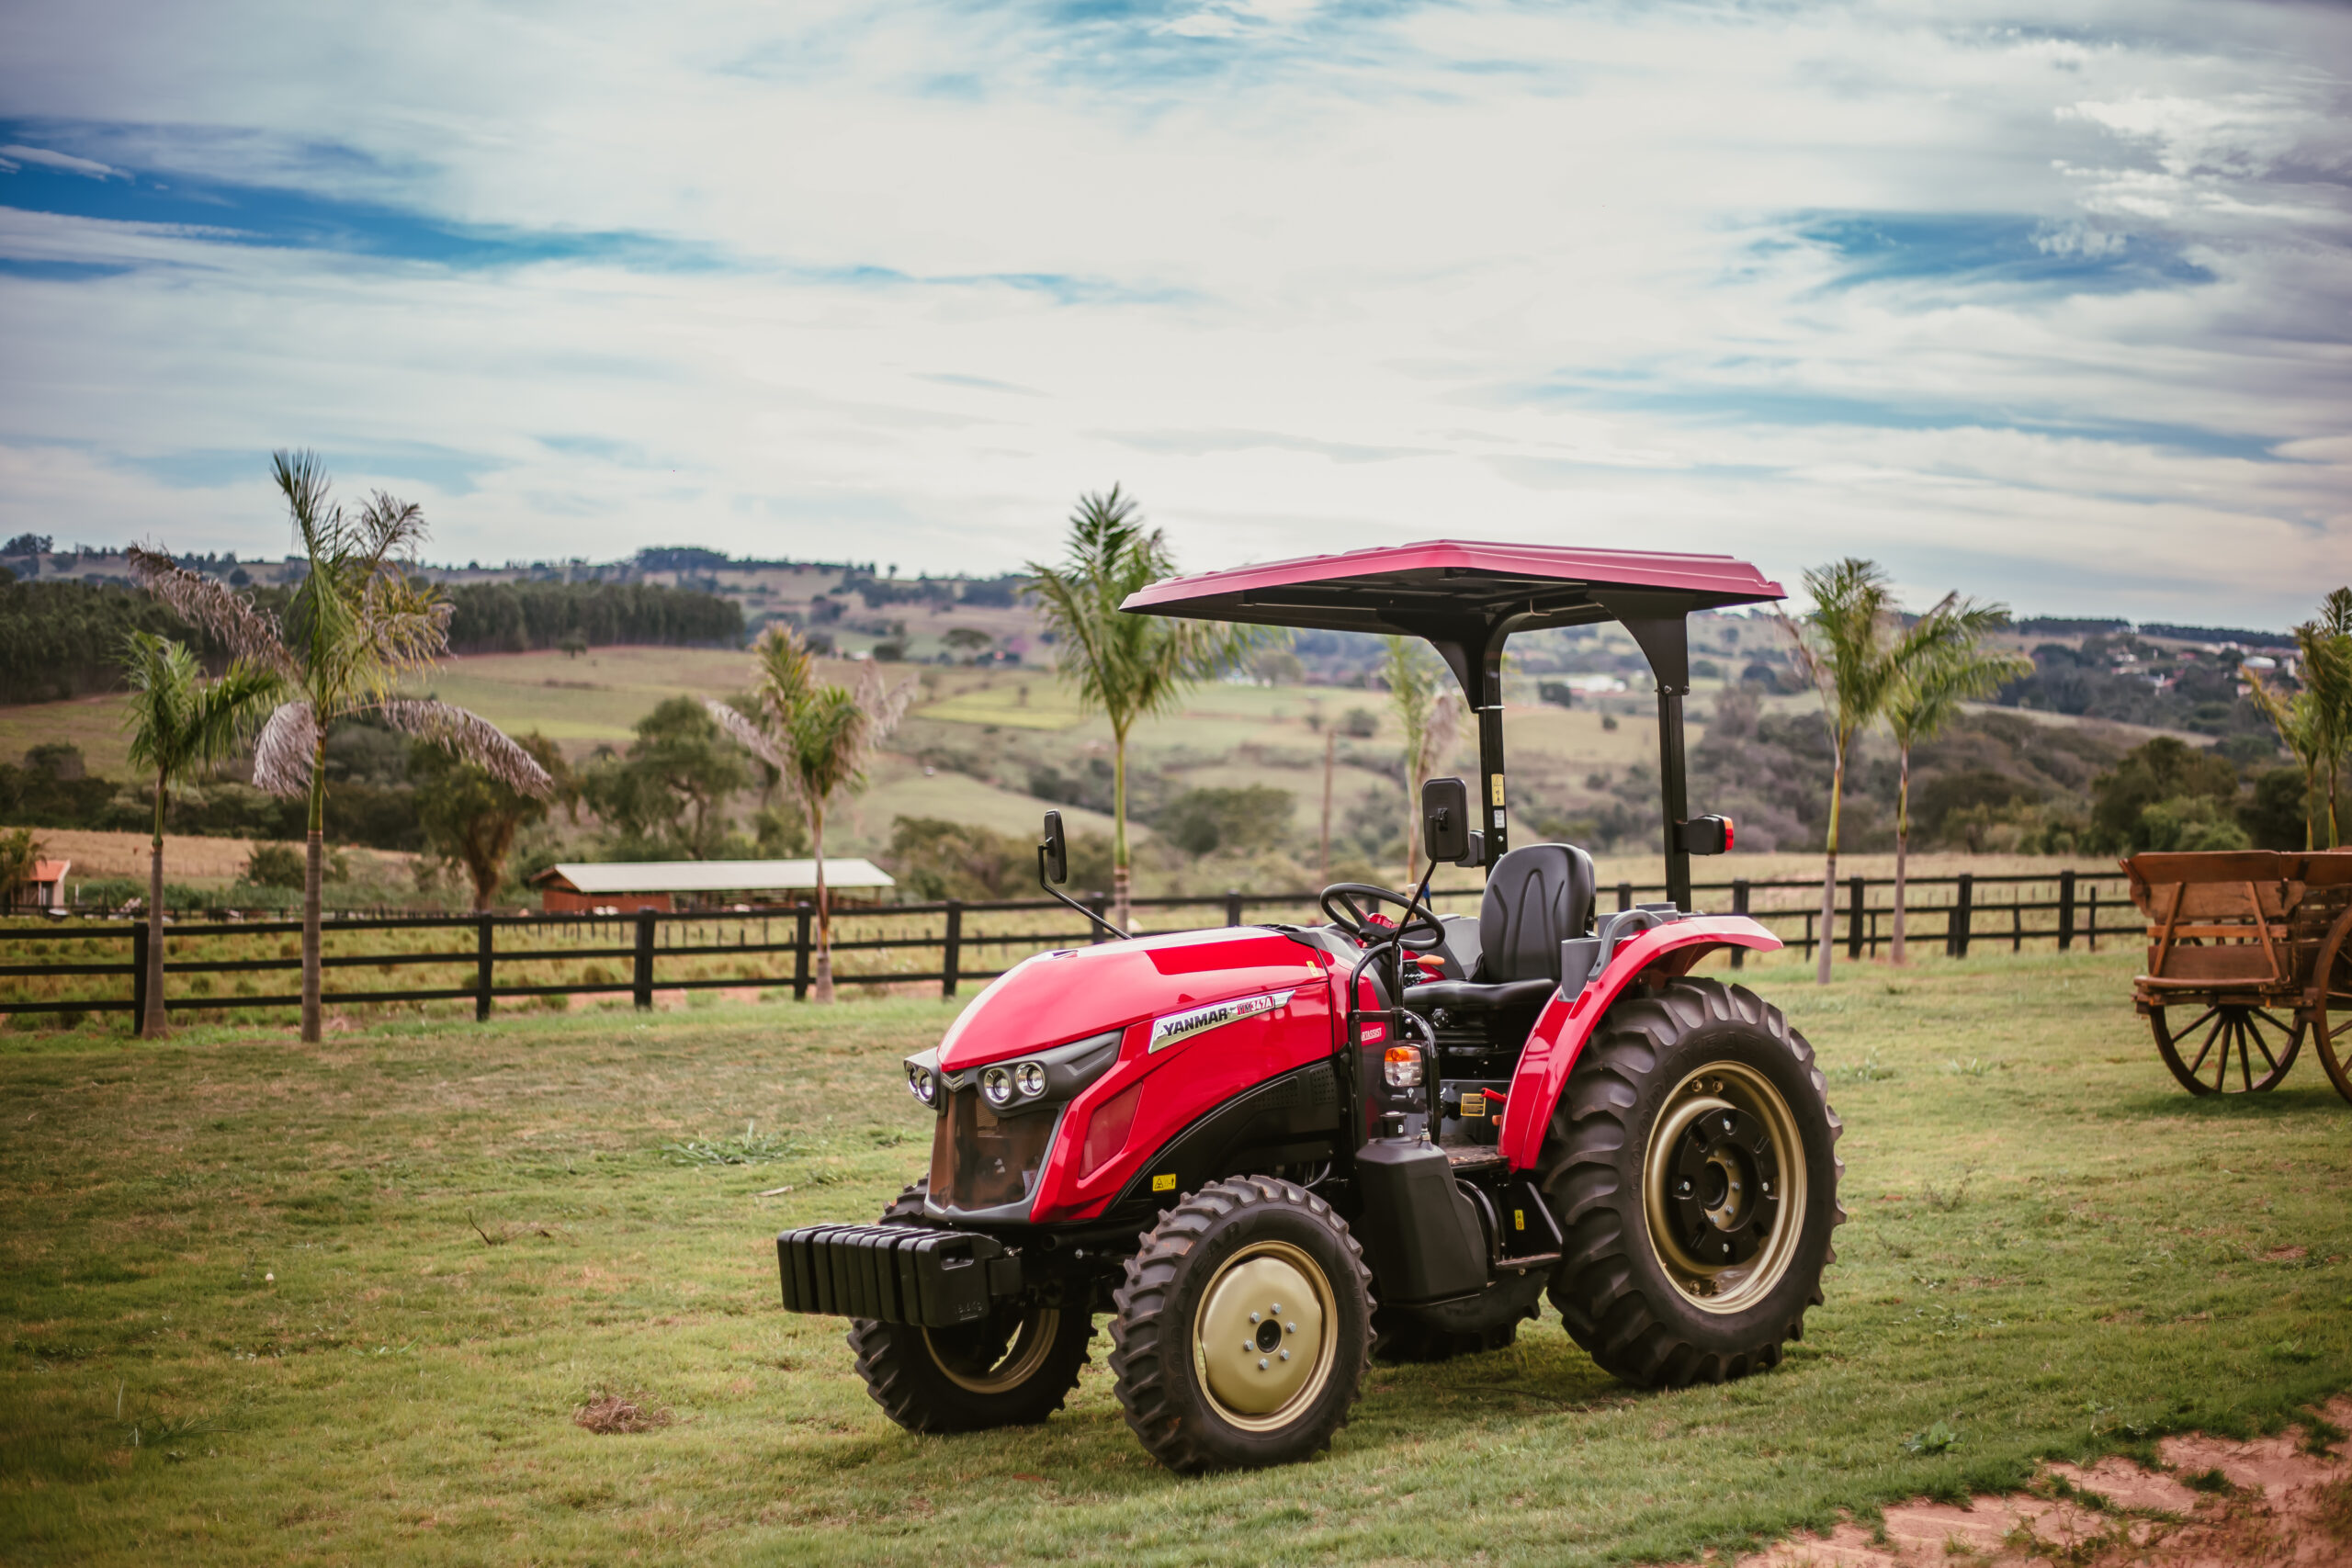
{"x": 1734, "y": 1127}
{"x": 1031, "y": 1344}
{"x": 1263, "y": 1339}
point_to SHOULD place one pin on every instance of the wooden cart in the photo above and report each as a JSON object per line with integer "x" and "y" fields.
{"x": 2249, "y": 954}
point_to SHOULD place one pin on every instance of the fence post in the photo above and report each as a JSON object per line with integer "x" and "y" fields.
{"x": 952, "y": 949}
{"x": 2091, "y": 932}
{"x": 1855, "y": 917}
{"x": 642, "y": 981}
{"x": 1808, "y": 933}
{"x": 2017, "y": 923}
{"x": 1099, "y": 905}
{"x": 2065, "y": 910}
{"x": 1232, "y": 906}
{"x": 139, "y": 978}
{"x": 802, "y": 914}
{"x": 1740, "y": 907}
{"x": 1625, "y": 895}
{"x": 1962, "y": 907}
{"x": 482, "y": 950}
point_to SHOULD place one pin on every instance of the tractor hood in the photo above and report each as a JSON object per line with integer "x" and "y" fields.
{"x": 1077, "y": 992}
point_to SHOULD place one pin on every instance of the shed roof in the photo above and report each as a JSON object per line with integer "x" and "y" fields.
{"x": 50, "y": 870}
{"x": 712, "y": 875}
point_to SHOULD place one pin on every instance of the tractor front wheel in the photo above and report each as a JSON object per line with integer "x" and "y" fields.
{"x": 1012, "y": 1369}
{"x": 1242, "y": 1328}
{"x": 1692, "y": 1163}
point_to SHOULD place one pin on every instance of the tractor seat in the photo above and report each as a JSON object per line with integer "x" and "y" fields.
{"x": 1537, "y": 898}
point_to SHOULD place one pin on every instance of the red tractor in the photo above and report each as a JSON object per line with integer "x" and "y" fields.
{"x": 1272, "y": 1153}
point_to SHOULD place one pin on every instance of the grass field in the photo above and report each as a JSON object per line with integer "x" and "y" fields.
{"x": 264, "y": 1303}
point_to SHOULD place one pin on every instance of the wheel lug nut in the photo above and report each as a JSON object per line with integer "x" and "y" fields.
{"x": 1261, "y": 1363}
{"x": 1286, "y": 1355}
{"x": 1253, "y": 1317}
{"x": 1290, "y": 1328}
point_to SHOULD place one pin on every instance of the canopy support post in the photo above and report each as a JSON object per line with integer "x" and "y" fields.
{"x": 1474, "y": 654}
{"x": 1658, "y": 624}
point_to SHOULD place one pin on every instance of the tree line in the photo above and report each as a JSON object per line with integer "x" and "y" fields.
{"x": 60, "y": 640}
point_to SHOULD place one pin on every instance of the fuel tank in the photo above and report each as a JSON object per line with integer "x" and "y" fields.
{"x": 1203, "y": 1016}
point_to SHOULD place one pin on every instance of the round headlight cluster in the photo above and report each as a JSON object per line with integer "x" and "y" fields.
{"x": 920, "y": 1080}
{"x": 1023, "y": 1080}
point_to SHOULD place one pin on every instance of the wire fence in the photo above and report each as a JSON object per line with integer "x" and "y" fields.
{"x": 222, "y": 968}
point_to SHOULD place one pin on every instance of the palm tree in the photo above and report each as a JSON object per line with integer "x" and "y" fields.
{"x": 818, "y": 738}
{"x": 2315, "y": 724}
{"x": 180, "y": 725}
{"x": 1928, "y": 692}
{"x": 1849, "y": 647}
{"x": 356, "y": 626}
{"x": 1431, "y": 720}
{"x": 1127, "y": 667}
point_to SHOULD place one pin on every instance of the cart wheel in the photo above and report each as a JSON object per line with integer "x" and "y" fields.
{"x": 2332, "y": 1014}
{"x": 2214, "y": 1052}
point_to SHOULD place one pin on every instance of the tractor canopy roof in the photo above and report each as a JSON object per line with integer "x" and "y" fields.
{"x": 1453, "y": 591}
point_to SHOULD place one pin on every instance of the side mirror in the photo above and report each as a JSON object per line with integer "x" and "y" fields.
{"x": 1706, "y": 836}
{"x": 1445, "y": 820}
{"x": 1056, "y": 849}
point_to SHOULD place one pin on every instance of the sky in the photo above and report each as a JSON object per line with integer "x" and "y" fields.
{"x": 2046, "y": 305}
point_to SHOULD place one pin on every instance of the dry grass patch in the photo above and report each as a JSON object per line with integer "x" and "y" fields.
{"x": 621, "y": 1412}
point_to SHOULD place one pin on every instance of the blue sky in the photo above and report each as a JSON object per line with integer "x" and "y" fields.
{"x": 2049, "y": 306}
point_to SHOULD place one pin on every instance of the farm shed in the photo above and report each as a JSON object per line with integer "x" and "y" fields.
{"x": 45, "y": 888}
{"x": 626, "y": 886}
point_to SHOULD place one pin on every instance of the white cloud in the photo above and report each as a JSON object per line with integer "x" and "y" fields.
{"x": 1603, "y": 275}
{"x": 17, "y": 156}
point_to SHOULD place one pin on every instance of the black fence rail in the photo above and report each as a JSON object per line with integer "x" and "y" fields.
{"x": 491, "y": 959}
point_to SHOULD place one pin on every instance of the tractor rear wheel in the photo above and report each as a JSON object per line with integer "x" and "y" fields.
{"x": 1013, "y": 1368}
{"x": 1242, "y": 1328}
{"x": 1692, "y": 1163}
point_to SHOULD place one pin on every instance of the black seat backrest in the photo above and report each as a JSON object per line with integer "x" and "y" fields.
{"x": 1537, "y": 898}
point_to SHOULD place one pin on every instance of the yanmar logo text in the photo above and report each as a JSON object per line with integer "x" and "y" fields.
{"x": 1178, "y": 1026}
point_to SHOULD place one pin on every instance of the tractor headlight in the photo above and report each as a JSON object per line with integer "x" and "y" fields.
{"x": 921, "y": 1082}
{"x": 1401, "y": 1065}
{"x": 1029, "y": 1077}
{"x": 997, "y": 1084}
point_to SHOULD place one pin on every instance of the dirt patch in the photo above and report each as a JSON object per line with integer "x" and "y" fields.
{"x": 2217, "y": 1502}
{"x": 621, "y": 1412}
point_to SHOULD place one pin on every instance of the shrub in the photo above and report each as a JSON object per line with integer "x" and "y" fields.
{"x": 275, "y": 865}
{"x": 1246, "y": 821}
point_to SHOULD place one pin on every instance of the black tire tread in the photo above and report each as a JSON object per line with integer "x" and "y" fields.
{"x": 1143, "y": 1341}
{"x": 884, "y": 1360}
{"x": 1595, "y": 1286}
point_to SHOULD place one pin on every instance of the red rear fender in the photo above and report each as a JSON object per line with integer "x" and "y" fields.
{"x": 1559, "y": 1035}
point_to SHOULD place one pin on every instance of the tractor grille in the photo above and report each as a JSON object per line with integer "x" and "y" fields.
{"x": 981, "y": 1160}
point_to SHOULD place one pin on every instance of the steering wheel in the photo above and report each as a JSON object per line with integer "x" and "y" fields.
{"x": 1349, "y": 905}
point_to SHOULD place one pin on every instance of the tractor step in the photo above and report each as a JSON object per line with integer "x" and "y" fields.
{"x": 1468, "y": 1157}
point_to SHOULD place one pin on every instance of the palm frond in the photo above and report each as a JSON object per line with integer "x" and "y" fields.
{"x": 389, "y": 531}
{"x": 285, "y": 750}
{"x": 750, "y": 737}
{"x": 250, "y": 633}
{"x": 468, "y": 735}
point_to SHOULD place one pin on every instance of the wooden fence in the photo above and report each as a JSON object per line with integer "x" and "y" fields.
{"x": 890, "y": 945}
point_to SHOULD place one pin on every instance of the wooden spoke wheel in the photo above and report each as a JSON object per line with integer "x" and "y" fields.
{"x": 2229, "y": 1047}
{"x": 2331, "y": 1012}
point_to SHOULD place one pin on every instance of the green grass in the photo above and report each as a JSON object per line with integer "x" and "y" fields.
{"x": 261, "y": 1303}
